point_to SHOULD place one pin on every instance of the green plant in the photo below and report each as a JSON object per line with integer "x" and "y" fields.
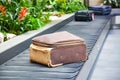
{"x": 65, "y": 6}
{"x": 18, "y": 16}
{"x": 8, "y": 19}
{"x": 74, "y": 6}
{"x": 113, "y": 3}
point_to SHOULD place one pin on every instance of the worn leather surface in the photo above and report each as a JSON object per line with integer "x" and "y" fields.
{"x": 53, "y": 57}
{"x": 58, "y": 48}
{"x": 57, "y": 39}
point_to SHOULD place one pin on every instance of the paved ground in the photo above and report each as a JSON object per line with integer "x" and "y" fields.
{"x": 108, "y": 65}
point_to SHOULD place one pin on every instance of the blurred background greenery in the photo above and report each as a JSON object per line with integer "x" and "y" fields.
{"x": 19, "y": 16}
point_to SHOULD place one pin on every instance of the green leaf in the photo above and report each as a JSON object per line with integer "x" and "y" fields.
{"x": 38, "y": 22}
{"x": 10, "y": 15}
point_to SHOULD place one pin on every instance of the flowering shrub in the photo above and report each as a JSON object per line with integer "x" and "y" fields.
{"x": 23, "y": 13}
{"x": 21, "y": 16}
{"x": 3, "y": 10}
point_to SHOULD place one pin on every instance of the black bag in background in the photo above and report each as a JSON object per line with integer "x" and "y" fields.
{"x": 84, "y": 15}
{"x": 101, "y": 10}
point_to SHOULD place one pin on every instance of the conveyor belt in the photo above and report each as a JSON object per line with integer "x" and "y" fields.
{"x": 20, "y": 68}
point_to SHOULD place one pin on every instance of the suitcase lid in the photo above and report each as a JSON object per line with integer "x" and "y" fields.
{"x": 84, "y": 12}
{"x": 57, "y": 39}
{"x": 99, "y": 7}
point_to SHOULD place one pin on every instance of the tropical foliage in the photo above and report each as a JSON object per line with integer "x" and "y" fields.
{"x": 113, "y": 3}
{"x": 64, "y": 6}
{"x": 19, "y": 16}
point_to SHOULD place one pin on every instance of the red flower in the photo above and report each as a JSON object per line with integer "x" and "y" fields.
{"x": 23, "y": 13}
{"x": 2, "y": 9}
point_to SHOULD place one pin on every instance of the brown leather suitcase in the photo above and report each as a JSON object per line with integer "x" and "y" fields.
{"x": 58, "y": 48}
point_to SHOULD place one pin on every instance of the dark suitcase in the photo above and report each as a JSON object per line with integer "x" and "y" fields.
{"x": 57, "y": 49}
{"x": 101, "y": 10}
{"x": 84, "y": 15}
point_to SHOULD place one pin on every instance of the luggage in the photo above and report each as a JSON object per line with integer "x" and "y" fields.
{"x": 101, "y": 10}
{"x": 84, "y": 15}
{"x": 58, "y": 48}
